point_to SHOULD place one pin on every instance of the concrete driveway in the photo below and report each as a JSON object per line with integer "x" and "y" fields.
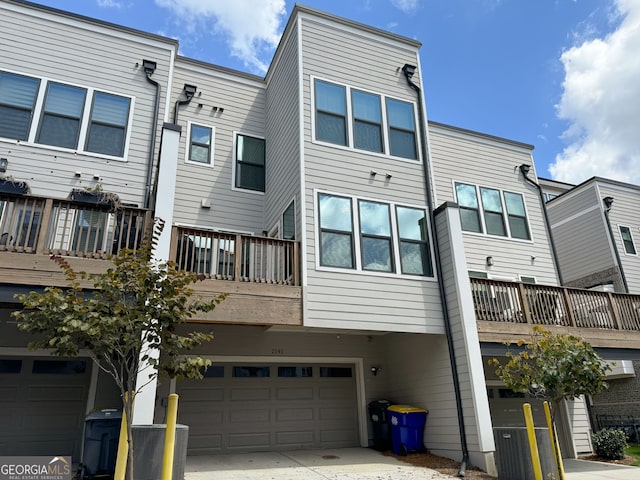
{"x": 339, "y": 464}
{"x": 586, "y": 470}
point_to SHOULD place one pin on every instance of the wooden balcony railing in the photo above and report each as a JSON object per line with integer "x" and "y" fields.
{"x": 236, "y": 257}
{"x": 525, "y": 303}
{"x": 37, "y": 225}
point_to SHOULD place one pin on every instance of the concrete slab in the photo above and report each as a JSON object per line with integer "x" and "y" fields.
{"x": 339, "y": 464}
{"x": 586, "y": 470}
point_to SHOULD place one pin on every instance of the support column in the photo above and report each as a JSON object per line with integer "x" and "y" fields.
{"x": 144, "y": 407}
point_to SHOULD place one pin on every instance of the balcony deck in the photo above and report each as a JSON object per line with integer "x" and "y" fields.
{"x": 508, "y": 310}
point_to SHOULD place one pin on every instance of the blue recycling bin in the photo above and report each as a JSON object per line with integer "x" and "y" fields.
{"x": 101, "y": 436}
{"x": 407, "y": 428}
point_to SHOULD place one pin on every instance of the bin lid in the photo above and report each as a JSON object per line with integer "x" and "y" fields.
{"x": 104, "y": 414}
{"x": 406, "y": 409}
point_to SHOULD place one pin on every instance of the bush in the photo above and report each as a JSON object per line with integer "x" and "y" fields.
{"x": 610, "y": 443}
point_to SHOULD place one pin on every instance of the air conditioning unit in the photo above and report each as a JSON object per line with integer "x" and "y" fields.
{"x": 513, "y": 457}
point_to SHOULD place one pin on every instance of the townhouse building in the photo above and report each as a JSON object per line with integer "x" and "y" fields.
{"x": 367, "y": 252}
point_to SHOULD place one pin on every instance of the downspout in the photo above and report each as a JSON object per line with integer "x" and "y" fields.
{"x": 608, "y": 202}
{"x": 408, "y": 71}
{"x": 524, "y": 168}
{"x": 149, "y": 68}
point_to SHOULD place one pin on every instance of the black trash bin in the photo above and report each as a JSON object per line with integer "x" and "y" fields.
{"x": 381, "y": 430}
{"x": 101, "y": 435}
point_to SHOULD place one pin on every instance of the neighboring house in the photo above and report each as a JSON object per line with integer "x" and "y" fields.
{"x": 596, "y": 227}
{"x": 368, "y": 253}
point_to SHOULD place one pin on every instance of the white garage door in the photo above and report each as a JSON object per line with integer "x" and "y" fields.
{"x": 42, "y": 405}
{"x": 261, "y": 407}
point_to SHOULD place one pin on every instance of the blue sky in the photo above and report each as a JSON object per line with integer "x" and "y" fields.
{"x": 563, "y": 75}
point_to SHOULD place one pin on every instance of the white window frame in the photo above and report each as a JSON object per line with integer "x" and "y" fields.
{"x": 187, "y": 148}
{"x": 505, "y": 214}
{"x": 633, "y": 242}
{"x": 356, "y": 238}
{"x": 235, "y": 163}
{"x": 350, "y": 122}
{"x": 36, "y": 118}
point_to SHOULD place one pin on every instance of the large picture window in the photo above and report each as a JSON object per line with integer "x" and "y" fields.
{"x": 249, "y": 163}
{"x": 64, "y": 111}
{"x": 365, "y": 121}
{"x": 492, "y": 211}
{"x": 17, "y": 101}
{"x": 391, "y": 239}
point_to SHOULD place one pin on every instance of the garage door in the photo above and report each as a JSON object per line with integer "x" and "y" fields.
{"x": 42, "y": 405}
{"x": 261, "y": 407}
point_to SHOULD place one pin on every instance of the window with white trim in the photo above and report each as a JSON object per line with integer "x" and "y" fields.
{"x": 72, "y": 117}
{"x": 365, "y": 121}
{"x": 627, "y": 240}
{"x": 200, "y": 144}
{"x": 492, "y": 211}
{"x": 389, "y": 238}
{"x": 249, "y": 173}
{"x": 289, "y": 222}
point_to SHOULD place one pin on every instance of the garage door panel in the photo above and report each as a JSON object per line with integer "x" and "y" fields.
{"x": 204, "y": 442}
{"x": 250, "y": 394}
{"x": 202, "y": 394}
{"x": 45, "y": 392}
{"x": 335, "y": 393}
{"x": 250, "y": 440}
{"x": 337, "y": 437}
{"x": 347, "y": 414}
{"x": 294, "y": 393}
{"x": 9, "y": 393}
{"x": 253, "y": 415}
{"x": 300, "y": 439}
{"x": 294, "y": 414}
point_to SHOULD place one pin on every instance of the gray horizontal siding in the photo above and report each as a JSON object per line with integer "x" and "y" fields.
{"x": 463, "y": 158}
{"x": 580, "y": 233}
{"x": 244, "y": 112}
{"x": 45, "y": 47}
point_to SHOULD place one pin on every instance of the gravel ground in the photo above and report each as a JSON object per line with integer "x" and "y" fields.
{"x": 441, "y": 464}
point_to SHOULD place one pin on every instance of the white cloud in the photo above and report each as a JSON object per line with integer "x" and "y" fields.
{"x": 109, "y": 4}
{"x": 252, "y": 27}
{"x": 601, "y": 101}
{"x": 406, "y": 6}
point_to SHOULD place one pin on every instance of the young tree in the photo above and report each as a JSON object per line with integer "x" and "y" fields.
{"x": 133, "y": 309}
{"x": 553, "y": 367}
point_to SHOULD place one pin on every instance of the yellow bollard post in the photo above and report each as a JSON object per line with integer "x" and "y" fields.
{"x": 555, "y": 447}
{"x": 170, "y": 438}
{"x": 123, "y": 450}
{"x": 533, "y": 444}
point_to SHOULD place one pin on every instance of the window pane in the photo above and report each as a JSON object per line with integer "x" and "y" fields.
{"x": 627, "y": 239}
{"x": 60, "y": 125}
{"x": 250, "y": 150}
{"x": 289, "y": 223}
{"x": 376, "y": 254}
{"x": 514, "y": 203}
{"x": 331, "y": 128}
{"x": 201, "y": 135}
{"x": 400, "y": 114}
{"x": 402, "y": 144}
{"x": 411, "y": 223}
{"x": 250, "y": 177}
{"x": 17, "y": 98}
{"x": 491, "y": 199}
{"x": 106, "y": 139}
{"x": 200, "y": 144}
{"x": 470, "y": 220}
{"x": 336, "y": 250}
{"x": 374, "y": 218}
{"x": 367, "y": 136}
{"x": 466, "y": 195}
{"x": 335, "y": 213}
{"x": 59, "y": 367}
{"x": 366, "y": 106}
{"x": 110, "y": 109}
{"x": 414, "y": 258}
{"x": 330, "y": 98}
{"x": 251, "y": 372}
{"x": 335, "y": 372}
{"x": 199, "y": 153}
{"x": 518, "y": 227}
{"x": 495, "y": 224}
{"x": 295, "y": 372}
